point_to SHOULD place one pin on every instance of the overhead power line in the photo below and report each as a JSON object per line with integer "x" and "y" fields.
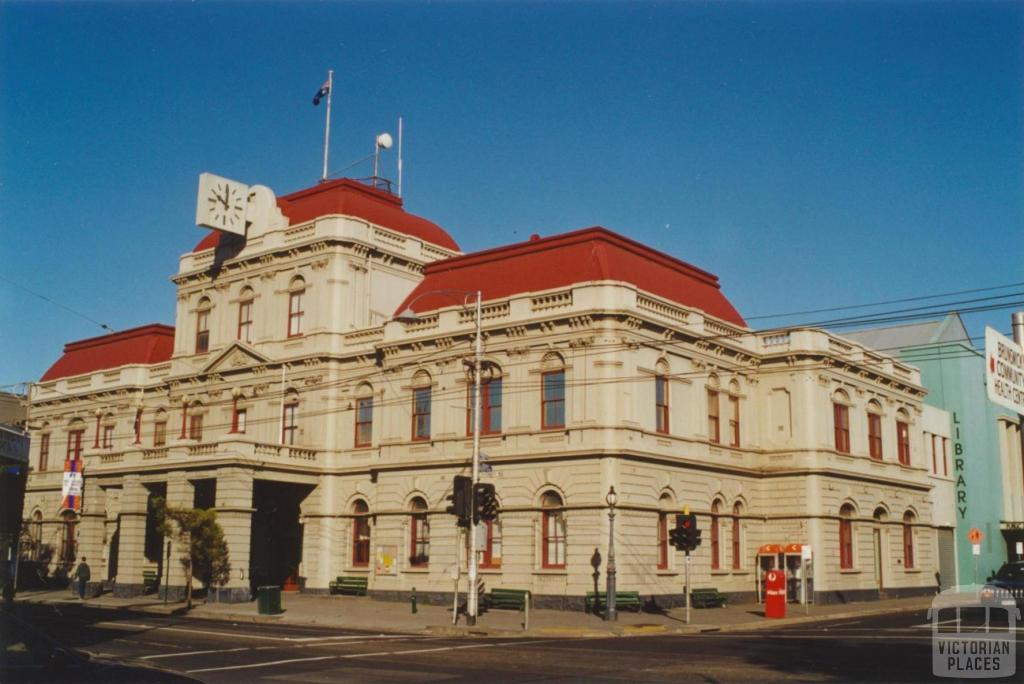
{"x": 104, "y": 326}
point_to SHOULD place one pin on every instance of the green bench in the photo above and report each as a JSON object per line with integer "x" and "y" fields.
{"x": 508, "y": 598}
{"x": 349, "y": 585}
{"x": 707, "y": 598}
{"x": 596, "y": 602}
{"x": 149, "y": 581}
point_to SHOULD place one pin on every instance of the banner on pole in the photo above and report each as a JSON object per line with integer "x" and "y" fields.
{"x": 71, "y": 491}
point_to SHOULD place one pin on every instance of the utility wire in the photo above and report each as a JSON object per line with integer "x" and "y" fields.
{"x": 104, "y": 326}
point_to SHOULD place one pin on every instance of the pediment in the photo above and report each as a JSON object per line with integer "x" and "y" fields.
{"x": 237, "y": 355}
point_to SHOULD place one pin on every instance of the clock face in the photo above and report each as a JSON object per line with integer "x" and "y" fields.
{"x": 221, "y": 204}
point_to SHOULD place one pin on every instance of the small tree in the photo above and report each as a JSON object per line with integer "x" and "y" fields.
{"x": 199, "y": 535}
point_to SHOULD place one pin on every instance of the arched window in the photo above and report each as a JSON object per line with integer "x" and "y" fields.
{"x": 665, "y": 504}
{"x": 245, "y": 303}
{"x": 875, "y": 430}
{"x": 421, "y": 406}
{"x": 364, "y": 416}
{"x": 360, "y": 534}
{"x": 195, "y": 422}
{"x": 296, "y": 311}
{"x": 44, "y": 447}
{"x": 737, "y": 536}
{"x": 661, "y": 399}
{"x": 419, "y": 534}
{"x": 846, "y": 537}
{"x": 553, "y": 530}
{"x": 35, "y": 535}
{"x": 160, "y": 428}
{"x": 290, "y": 418}
{"x": 903, "y": 437}
{"x": 490, "y": 402}
{"x": 203, "y": 325}
{"x": 552, "y": 400}
{"x": 841, "y": 421}
{"x": 908, "y": 540}
{"x": 716, "y": 531}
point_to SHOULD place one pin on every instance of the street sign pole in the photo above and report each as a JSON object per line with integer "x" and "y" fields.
{"x": 686, "y": 592}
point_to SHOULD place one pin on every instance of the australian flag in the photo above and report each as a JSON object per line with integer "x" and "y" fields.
{"x": 322, "y": 93}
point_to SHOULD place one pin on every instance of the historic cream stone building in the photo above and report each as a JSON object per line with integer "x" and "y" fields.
{"x": 326, "y": 432}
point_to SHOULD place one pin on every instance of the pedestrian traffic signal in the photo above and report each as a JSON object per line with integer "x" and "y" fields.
{"x": 485, "y": 502}
{"x": 462, "y": 492}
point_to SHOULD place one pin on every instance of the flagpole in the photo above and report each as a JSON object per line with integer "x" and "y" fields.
{"x": 399, "y": 156}
{"x": 327, "y": 128}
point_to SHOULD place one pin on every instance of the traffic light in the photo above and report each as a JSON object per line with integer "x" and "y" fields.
{"x": 485, "y": 502}
{"x": 686, "y": 536}
{"x": 677, "y": 537}
{"x": 462, "y": 492}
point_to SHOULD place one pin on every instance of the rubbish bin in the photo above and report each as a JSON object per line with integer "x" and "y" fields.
{"x": 268, "y": 600}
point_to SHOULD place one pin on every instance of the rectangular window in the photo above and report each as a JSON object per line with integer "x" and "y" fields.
{"x": 875, "y": 436}
{"x": 490, "y": 408}
{"x": 108, "y": 437}
{"x": 841, "y": 416}
{"x": 945, "y": 460}
{"x": 490, "y": 555}
{"x": 202, "y": 331}
{"x": 552, "y": 410}
{"x": 295, "y": 313}
{"x": 903, "y": 442}
{"x": 935, "y": 456}
{"x": 75, "y": 444}
{"x": 195, "y": 427}
{"x": 734, "y": 421}
{"x": 553, "y": 542}
{"x": 44, "y": 451}
{"x": 661, "y": 404}
{"x": 290, "y": 425}
{"x": 241, "y": 415}
{"x": 714, "y": 432}
{"x": 159, "y": 433}
{"x": 421, "y": 414}
{"x": 662, "y": 541}
{"x": 364, "y": 421}
{"x": 245, "y": 321}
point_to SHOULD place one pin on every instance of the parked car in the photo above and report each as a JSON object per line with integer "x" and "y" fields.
{"x": 1006, "y": 587}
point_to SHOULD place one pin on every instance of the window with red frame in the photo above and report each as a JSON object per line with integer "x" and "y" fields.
{"x": 360, "y": 534}
{"x": 245, "y": 320}
{"x": 841, "y": 417}
{"x": 490, "y": 407}
{"x": 160, "y": 430}
{"x": 75, "y": 438}
{"x": 421, "y": 400}
{"x": 108, "y": 437}
{"x": 364, "y": 422}
{"x": 714, "y": 428}
{"x": 662, "y": 540}
{"x": 846, "y": 537}
{"x": 716, "y": 529}
{"x": 945, "y": 459}
{"x": 908, "y": 540}
{"x": 295, "y": 312}
{"x": 903, "y": 441}
{"x": 552, "y": 409}
{"x": 734, "y": 421}
{"x": 552, "y": 532}
{"x": 290, "y": 424}
{"x": 195, "y": 427}
{"x": 238, "y": 417}
{"x": 661, "y": 404}
{"x": 875, "y": 436}
{"x": 419, "y": 535}
{"x": 737, "y": 538}
{"x": 44, "y": 451}
{"x": 203, "y": 327}
{"x": 490, "y": 555}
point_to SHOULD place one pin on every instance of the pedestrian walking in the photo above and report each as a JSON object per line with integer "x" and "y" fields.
{"x": 83, "y": 575}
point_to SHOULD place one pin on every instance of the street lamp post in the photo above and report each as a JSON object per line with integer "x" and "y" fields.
{"x": 611, "y": 499}
{"x": 472, "y": 597}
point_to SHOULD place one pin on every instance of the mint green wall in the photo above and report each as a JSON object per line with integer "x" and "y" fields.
{"x": 954, "y": 375}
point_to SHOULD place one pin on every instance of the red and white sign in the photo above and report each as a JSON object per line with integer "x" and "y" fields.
{"x": 975, "y": 536}
{"x": 1004, "y": 371}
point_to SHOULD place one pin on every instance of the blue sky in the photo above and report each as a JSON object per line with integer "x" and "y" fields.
{"x": 810, "y": 154}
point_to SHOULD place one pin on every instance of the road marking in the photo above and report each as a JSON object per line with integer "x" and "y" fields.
{"x": 247, "y": 635}
{"x": 345, "y": 656}
{"x": 188, "y": 653}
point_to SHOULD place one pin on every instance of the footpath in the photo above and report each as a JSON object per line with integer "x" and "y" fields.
{"x": 367, "y": 614}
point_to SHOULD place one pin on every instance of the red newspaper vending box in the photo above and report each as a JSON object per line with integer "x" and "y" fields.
{"x": 775, "y": 594}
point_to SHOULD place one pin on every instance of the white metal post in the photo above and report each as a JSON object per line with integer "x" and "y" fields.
{"x": 327, "y": 128}
{"x": 399, "y": 156}
{"x": 686, "y": 593}
{"x": 471, "y": 598}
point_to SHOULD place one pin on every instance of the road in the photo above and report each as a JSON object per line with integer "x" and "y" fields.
{"x": 881, "y": 648}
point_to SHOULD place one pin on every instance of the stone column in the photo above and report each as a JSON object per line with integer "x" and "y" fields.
{"x": 90, "y": 531}
{"x": 180, "y": 494}
{"x": 131, "y": 560}
{"x": 234, "y": 513}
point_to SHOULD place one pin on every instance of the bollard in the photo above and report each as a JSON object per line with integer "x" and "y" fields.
{"x": 412, "y": 599}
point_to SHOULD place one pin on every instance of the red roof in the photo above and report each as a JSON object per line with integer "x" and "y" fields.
{"x": 352, "y": 198}
{"x": 562, "y": 260}
{"x": 147, "y": 344}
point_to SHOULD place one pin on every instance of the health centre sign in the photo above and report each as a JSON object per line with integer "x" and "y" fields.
{"x": 1004, "y": 371}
